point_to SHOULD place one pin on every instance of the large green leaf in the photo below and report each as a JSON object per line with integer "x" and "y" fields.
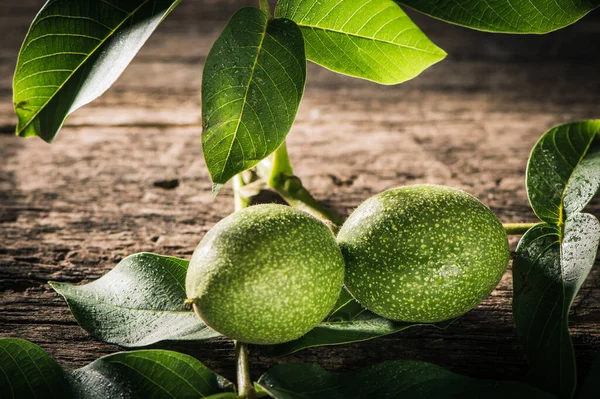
{"x": 548, "y": 271}
{"x": 138, "y": 303}
{"x": 373, "y": 39}
{"x": 509, "y": 16}
{"x": 563, "y": 170}
{"x": 73, "y": 52}
{"x": 148, "y": 374}
{"x": 26, "y": 371}
{"x": 252, "y": 84}
{"x": 349, "y": 322}
{"x": 395, "y": 379}
{"x": 553, "y": 259}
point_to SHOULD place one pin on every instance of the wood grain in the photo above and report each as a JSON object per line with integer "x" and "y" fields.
{"x": 71, "y": 211}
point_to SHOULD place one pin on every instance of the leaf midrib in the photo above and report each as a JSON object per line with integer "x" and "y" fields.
{"x": 100, "y": 44}
{"x": 566, "y": 302}
{"x": 375, "y": 39}
{"x": 20, "y": 370}
{"x": 244, "y": 100}
{"x": 165, "y": 367}
{"x": 84, "y": 299}
{"x": 138, "y": 372}
{"x": 561, "y": 222}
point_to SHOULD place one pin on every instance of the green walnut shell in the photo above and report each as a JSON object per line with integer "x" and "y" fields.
{"x": 266, "y": 274}
{"x": 422, "y": 253}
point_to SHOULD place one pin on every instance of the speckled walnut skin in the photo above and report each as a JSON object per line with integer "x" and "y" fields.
{"x": 423, "y": 253}
{"x": 266, "y": 274}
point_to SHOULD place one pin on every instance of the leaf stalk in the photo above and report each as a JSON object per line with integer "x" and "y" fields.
{"x": 264, "y": 5}
{"x": 290, "y": 188}
{"x": 282, "y": 180}
{"x": 280, "y": 165}
{"x": 239, "y": 200}
{"x": 244, "y": 382}
{"x": 517, "y": 228}
{"x": 279, "y": 174}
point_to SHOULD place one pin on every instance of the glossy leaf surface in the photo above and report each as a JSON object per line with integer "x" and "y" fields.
{"x": 146, "y": 374}
{"x": 548, "y": 271}
{"x": 27, "y": 371}
{"x": 394, "y": 379}
{"x": 553, "y": 259}
{"x": 373, "y": 39}
{"x": 74, "y": 51}
{"x": 563, "y": 170}
{"x": 509, "y": 16}
{"x": 138, "y": 303}
{"x": 252, "y": 84}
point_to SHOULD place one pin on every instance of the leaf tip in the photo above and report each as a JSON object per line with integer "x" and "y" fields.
{"x": 55, "y": 285}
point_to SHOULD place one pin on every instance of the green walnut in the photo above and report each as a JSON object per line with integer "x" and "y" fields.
{"x": 265, "y": 275}
{"x": 422, "y": 253}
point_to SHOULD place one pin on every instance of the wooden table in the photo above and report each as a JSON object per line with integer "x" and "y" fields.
{"x": 72, "y": 210}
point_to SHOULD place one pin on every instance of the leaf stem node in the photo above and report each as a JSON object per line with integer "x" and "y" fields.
{"x": 188, "y": 304}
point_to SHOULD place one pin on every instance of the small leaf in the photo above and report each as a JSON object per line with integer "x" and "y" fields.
{"x": 349, "y": 322}
{"x": 148, "y": 374}
{"x": 74, "y": 51}
{"x": 395, "y": 379}
{"x": 373, "y": 40}
{"x": 548, "y": 271}
{"x": 138, "y": 303}
{"x": 508, "y": 16}
{"x": 26, "y": 371}
{"x": 563, "y": 170}
{"x": 252, "y": 84}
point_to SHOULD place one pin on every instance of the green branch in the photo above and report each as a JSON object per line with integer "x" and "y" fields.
{"x": 290, "y": 188}
{"x": 517, "y": 228}
{"x": 278, "y": 172}
{"x": 244, "y": 382}
{"x": 280, "y": 165}
{"x": 239, "y": 200}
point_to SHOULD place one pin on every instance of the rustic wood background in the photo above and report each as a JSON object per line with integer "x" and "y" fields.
{"x": 72, "y": 210}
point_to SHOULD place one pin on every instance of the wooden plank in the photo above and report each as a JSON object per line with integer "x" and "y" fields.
{"x": 72, "y": 210}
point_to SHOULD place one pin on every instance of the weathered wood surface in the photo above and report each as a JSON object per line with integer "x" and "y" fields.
{"x": 71, "y": 211}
